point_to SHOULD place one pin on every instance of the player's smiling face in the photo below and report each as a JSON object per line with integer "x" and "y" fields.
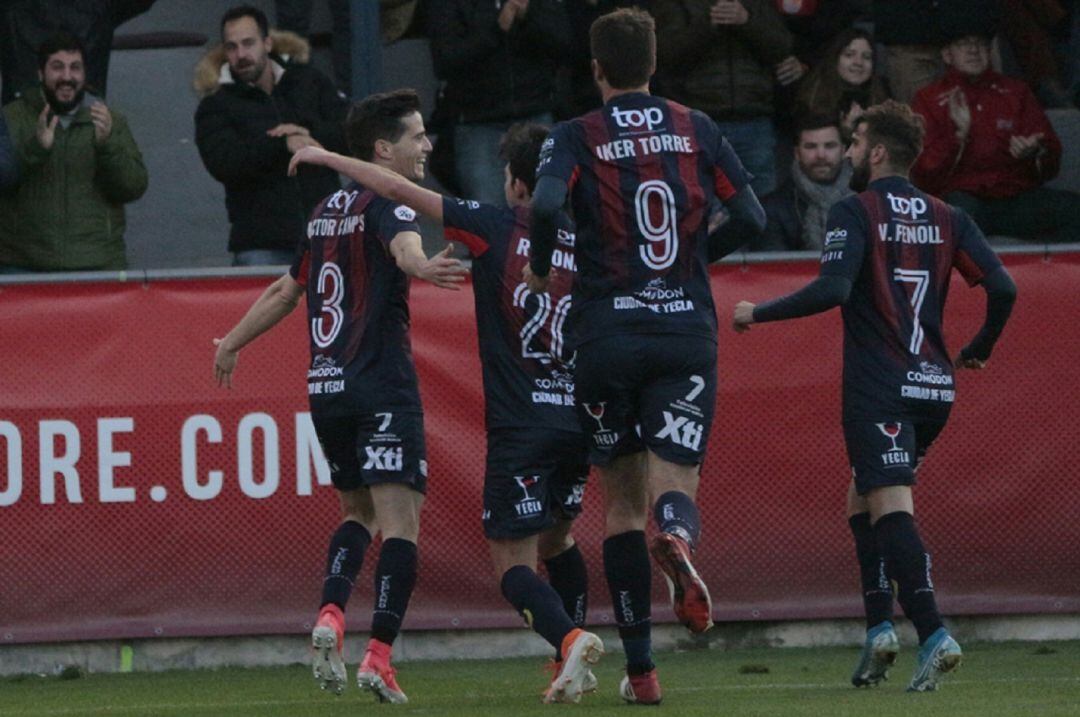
{"x": 411, "y": 151}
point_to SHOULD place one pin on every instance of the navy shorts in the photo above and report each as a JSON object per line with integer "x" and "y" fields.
{"x": 647, "y": 391}
{"x": 887, "y": 453}
{"x": 534, "y": 476}
{"x": 365, "y": 450}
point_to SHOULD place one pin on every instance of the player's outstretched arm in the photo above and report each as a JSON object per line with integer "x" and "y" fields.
{"x": 1000, "y": 297}
{"x": 442, "y": 270}
{"x": 548, "y": 198}
{"x": 277, "y": 302}
{"x": 384, "y": 182}
{"x": 821, "y": 294}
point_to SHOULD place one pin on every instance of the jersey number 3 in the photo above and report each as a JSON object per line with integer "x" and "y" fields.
{"x": 331, "y": 287}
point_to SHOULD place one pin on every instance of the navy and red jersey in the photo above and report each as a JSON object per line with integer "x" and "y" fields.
{"x": 528, "y": 369}
{"x": 642, "y": 172}
{"x": 898, "y": 246}
{"x": 357, "y": 305}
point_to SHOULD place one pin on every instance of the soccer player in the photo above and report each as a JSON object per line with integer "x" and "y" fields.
{"x": 536, "y": 452}
{"x": 641, "y": 173}
{"x": 886, "y": 261}
{"x": 354, "y": 267}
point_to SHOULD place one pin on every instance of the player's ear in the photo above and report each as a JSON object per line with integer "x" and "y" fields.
{"x": 597, "y": 71}
{"x": 384, "y": 149}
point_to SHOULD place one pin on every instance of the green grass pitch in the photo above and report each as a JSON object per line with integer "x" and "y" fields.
{"x": 1008, "y": 679}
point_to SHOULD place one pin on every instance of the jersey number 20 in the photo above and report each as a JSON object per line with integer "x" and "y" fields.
{"x": 542, "y": 310}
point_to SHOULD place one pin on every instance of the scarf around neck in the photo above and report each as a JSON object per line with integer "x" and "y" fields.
{"x": 819, "y": 199}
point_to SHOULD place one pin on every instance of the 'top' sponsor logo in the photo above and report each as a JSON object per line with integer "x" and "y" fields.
{"x": 648, "y": 118}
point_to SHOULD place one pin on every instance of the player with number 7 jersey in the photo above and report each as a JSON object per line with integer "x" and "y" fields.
{"x": 887, "y": 261}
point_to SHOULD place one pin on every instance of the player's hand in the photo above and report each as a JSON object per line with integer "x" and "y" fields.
{"x": 296, "y": 142}
{"x": 224, "y": 363}
{"x": 728, "y": 12}
{"x": 536, "y": 284}
{"x": 444, "y": 271}
{"x": 102, "y": 119}
{"x": 1025, "y": 147}
{"x": 959, "y": 113}
{"x": 46, "y": 128}
{"x": 744, "y": 316}
{"x": 789, "y": 70}
{"x": 311, "y": 154}
{"x": 286, "y": 128}
{"x": 972, "y": 363}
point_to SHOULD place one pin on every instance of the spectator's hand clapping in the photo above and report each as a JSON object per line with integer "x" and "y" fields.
{"x": 511, "y": 11}
{"x": 102, "y": 119}
{"x": 296, "y": 142}
{"x": 46, "y": 128}
{"x": 789, "y": 70}
{"x": 286, "y": 129}
{"x": 848, "y": 119}
{"x": 959, "y": 113}
{"x": 728, "y": 12}
{"x": 1025, "y": 147}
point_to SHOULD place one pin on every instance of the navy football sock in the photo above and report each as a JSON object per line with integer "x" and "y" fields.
{"x": 629, "y": 578}
{"x": 876, "y": 588}
{"x": 343, "y": 562}
{"x": 907, "y": 560}
{"x": 570, "y": 579}
{"x": 538, "y": 603}
{"x": 676, "y": 513}
{"x": 395, "y": 577}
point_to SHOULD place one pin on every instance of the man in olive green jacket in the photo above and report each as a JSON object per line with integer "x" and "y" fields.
{"x": 78, "y": 166}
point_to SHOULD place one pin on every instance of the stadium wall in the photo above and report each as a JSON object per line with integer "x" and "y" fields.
{"x": 139, "y": 501}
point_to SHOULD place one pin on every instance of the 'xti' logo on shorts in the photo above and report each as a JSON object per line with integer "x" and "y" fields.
{"x": 682, "y": 431}
{"x": 381, "y": 458}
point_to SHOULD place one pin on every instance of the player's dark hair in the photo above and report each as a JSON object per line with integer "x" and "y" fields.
{"x": 623, "y": 42}
{"x": 59, "y": 41}
{"x": 520, "y": 148}
{"x": 811, "y": 122}
{"x": 235, "y": 13}
{"x": 893, "y": 125}
{"x": 378, "y": 117}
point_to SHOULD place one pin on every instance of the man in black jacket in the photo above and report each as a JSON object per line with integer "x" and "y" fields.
{"x": 262, "y": 109}
{"x": 499, "y": 60}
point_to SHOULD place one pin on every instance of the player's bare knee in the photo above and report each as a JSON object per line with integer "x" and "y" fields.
{"x": 555, "y": 540}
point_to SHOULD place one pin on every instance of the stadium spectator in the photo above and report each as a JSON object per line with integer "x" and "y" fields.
{"x": 499, "y": 60}
{"x": 796, "y": 212}
{"x": 537, "y": 463}
{"x": 914, "y": 31}
{"x": 9, "y": 165}
{"x": 643, "y": 317}
{"x": 362, "y": 386}
{"x": 814, "y": 24}
{"x": 990, "y": 148}
{"x": 1032, "y": 28}
{"x": 844, "y": 83}
{"x": 723, "y": 58}
{"x": 898, "y": 383}
{"x": 28, "y": 23}
{"x": 577, "y": 93}
{"x": 257, "y": 109}
{"x": 78, "y": 166}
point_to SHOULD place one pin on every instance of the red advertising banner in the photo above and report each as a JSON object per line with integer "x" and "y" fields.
{"x": 138, "y": 499}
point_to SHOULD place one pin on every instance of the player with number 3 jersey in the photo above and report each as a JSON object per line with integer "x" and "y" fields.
{"x": 354, "y": 267}
{"x": 887, "y": 261}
